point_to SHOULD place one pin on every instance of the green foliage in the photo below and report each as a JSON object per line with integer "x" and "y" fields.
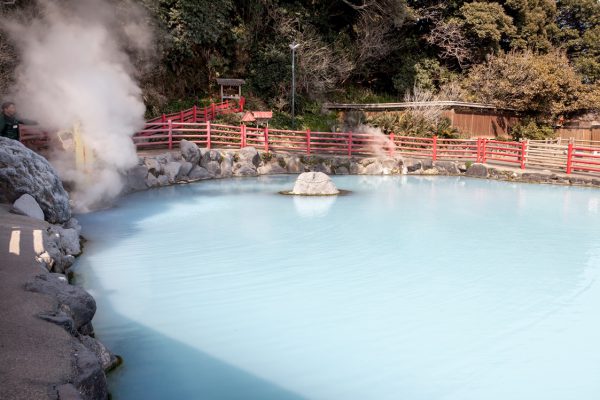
{"x": 487, "y": 24}
{"x": 541, "y": 84}
{"x": 531, "y": 129}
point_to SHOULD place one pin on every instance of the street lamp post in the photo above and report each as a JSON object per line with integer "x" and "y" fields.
{"x": 294, "y": 46}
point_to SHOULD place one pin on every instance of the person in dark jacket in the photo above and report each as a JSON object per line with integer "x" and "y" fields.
{"x": 9, "y": 121}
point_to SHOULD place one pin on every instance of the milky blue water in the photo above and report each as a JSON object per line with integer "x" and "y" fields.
{"x": 409, "y": 288}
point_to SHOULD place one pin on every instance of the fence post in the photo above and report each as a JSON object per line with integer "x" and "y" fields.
{"x": 393, "y": 145}
{"x": 483, "y": 150}
{"x": 208, "y": 135}
{"x": 163, "y": 118}
{"x": 478, "y": 149}
{"x": 195, "y": 114}
{"x": 170, "y": 134}
{"x": 434, "y": 150}
{"x": 243, "y": 132}
{"x": 308, "y": 142}
{"x": 266, "y": 132}
{"x": 350, "y": 144}
{"x": 181, "y": 117}
{"x": 523, "y": 153}
{"x": 205, "y": 114}
{"x": 213, "y": 111}
{"x": 569, "y": 158}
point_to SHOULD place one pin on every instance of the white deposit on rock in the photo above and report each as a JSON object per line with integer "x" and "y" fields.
{"x": 314, "y": 184}
{"x": 27, "y": 205}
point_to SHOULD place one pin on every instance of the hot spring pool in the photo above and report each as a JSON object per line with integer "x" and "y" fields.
{"x": 409, "y": 288}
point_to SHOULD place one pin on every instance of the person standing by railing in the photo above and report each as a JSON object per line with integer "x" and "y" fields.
{"x": 9, "y": 121}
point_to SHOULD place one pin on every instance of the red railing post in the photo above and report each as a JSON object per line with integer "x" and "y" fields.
{"x": 243, "y": 133}
{"x": 523, "y": 153}
{"x": 170, "y": 125}
{"x": 181, "y": 117}
{"x": 242, "y": 103}
{"x": 392, "y": 145}
{"x": 195, "y": 114}
{"x": 350, "y": 144}
{"x": 213, "y": 111}
{"x": 308, "y": 142}
{"x": 434, "y": 149}
{"x": 483, "y": 149}
{"x": 266, "y": 132}
{"x": 569, "y": 158}
{"x": 205, "y": 114}
{"x": 163, "y": 118}
{"x": 208, "y": 134}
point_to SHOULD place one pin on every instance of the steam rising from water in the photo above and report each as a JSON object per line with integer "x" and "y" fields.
{"x": 379, "y": 143}
{"x": 74, "y": 68}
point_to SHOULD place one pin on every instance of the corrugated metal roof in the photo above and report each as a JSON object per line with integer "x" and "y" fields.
{"x": 230, "y": 82}
{"x": 402, "y": 106}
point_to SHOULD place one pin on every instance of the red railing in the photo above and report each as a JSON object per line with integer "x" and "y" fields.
{"x": 582, "y": 159}
{"x": 197, "y": 114}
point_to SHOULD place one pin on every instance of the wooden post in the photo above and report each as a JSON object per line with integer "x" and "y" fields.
{"x": 170, "y": 124}
{"x": 308, "y": 142}
{"x": 266, "y": 132}
{"x": 208, "y": 134}
{"x": 205, "y": 114}
{"x": 483, "y": 143}
{"x": 195, "y": 114}
{"x": 181, "y": 117}
{"x": 569, "y": 158}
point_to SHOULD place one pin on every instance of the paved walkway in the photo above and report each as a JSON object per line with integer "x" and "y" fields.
{"x": 35, "y": 355}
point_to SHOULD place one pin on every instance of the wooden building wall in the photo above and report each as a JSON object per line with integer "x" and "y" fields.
{"x": 482, "y": 123}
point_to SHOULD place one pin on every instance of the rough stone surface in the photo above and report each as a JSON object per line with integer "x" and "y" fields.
{"x": 211, "y": 156}
{"x": 248, "y": 155}
{"x": 213, "y": 168}
{"x": 67, "y": 239}
{"x": 107, "y": 359}
{"x": 244, "y": 169}
{"x": 294, "y": 165}
{"x": 23, "y": 171}
{"x": 90, "y": 379}
{"x": 190, "y": 151}
{"x": 185, "y": 169}
{"x": 73, "y": 300}
{"x": 172, "y": 169}
{"x": 154, "y": 166}
{"x": 314, "y": 184}
{"x": 271, "y": 169}
{"x": 477, "y": 170}
{"x": 199, "y": 173}
{"x": 227, "y": 166}
{"x": 449, "y": 167}
{"x": 136, "y": 177}
{"x": 26, "y": 205}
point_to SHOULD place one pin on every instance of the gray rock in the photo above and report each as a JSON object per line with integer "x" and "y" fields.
{"x": 172, "y": 170}
{"x": 314, "y": 184}
{"x": 227, "y": 166}
{"x": 78, "y": 303}
{"x": 477, "y": 170}
{"x": 26, "y": 205}
{"x": 73, "y": 224}
{"x": 67, "y": 239}
{"x": 391, "y": 165}
{"x": 136, "y": 177}
{"x": 249, "y": 155}
{"x": 271, "y": 169}
{"x": 374, "y": 168}
{"x": 108, "y": 360}
{"x": 244, "y": 169}
{"x": 154, "y": 166}
{"x": 89, "y": 379}
{"x": 413, "y": 165}
{"x": 341, "y": 171}
{"x": 185, "y": 169}
{"x": 213, "y": 168}
{"x": 152, "y": 180}
{"x": 294, "y": 165}
{"x": 199, "y": 173}
{"x": 449, "y": 167}
{"x": 68, "y": 392}
{"x": 210, "y": 156}
{"x": 163, "y": 180}
{"x": 23, "y": 171}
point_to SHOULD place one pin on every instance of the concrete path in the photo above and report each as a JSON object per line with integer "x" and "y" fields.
{"x": 35, "y": 355}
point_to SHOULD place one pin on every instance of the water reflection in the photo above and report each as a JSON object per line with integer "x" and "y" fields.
{"x": 313, "y": 206}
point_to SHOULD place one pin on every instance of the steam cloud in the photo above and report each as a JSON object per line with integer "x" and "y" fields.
{"x": 75, "y": 69}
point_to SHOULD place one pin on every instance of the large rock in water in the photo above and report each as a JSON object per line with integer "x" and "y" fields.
{"x": 314, "y": 184}
{"x": 23, "y": 171}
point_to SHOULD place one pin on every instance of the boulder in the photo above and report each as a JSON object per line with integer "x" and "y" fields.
{"x": 213, "y": 168}
{"x": 26, "y": 205}
{"x": 271, "y": 169}
{"x": 199, "y": 173}
{"x": 185, "y": 169}
{"x": 448, "y": 167}
{"x": 172, "y": 170}
{"x": 23, "y": 171}
{"x": 89, "y": 378}
{"x": 75, "y": 301}
{"x": 189, "y": 151}
{"x": 294, "y": 164}
{"x": 163, "y": 180}
{"x": 210, "y": 156}
{"x": 108, "y": 360}
{"x": 67, "y": 239}
{"x": 477, "y": 170}
{"x": 314, "y": 184}
{"x": 372, "y": 168}
{"x": 341, "y": 171}
{"x": 154, "y": 166}
{"x": 151, "y": 180}
{"x": 413, "y": 165}
{"x": 244, "y": 169}
{"x": 227, "y": 166}
{"x": 248, "y": 155}
{"x": 136, "y": 177}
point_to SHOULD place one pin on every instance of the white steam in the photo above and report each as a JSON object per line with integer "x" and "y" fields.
{"x": 378, "y": 142}
{"x": 74, "y": 69}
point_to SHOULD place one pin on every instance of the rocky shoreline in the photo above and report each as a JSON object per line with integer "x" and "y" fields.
{"x": 192, "y": 164}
